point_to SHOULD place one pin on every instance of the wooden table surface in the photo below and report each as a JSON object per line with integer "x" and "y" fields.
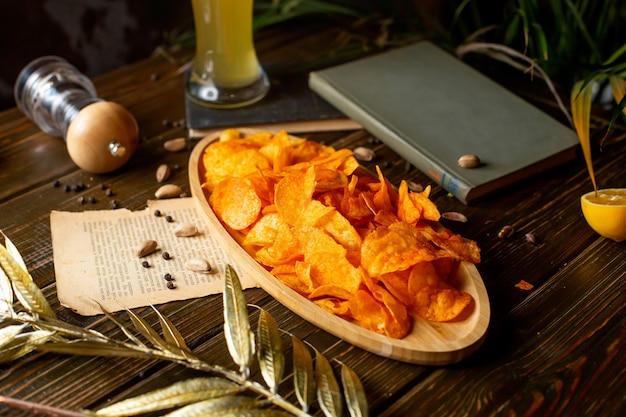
{"x": 556, "y": 349}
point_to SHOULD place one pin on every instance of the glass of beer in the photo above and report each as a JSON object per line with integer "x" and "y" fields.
{"x": 226, "y": 71}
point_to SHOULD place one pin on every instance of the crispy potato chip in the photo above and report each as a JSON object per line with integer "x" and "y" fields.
{"x": 331, "y": 291}
{"x": 329, "y": 179}
{"x": 389, "y": 249}
{"x": 263, "y": 186}
{"x": 384, "y": 197}
{"x": 342, "y": 230}
{"x": 524, "y": 285}
{"x": 397, "y": 283}
{"x": 308, "y": 150}
{"x": 374, "y": 315}
{"x": 397, "y": 322}
{"x": 293, "y": 195}
{"x": 432, "y": 297}
{"x": 236, "y": 203}
{"x": 334, "y": 306}
{"x": 228, "y": 159}
{"x": 264, "y": 231}
{"x": 343, "y": 238}
{"x": 452, "y": 244}
{"x": 295, "y": 276}
{"x": 278, "y": 151}
{"x": 284, "y": 249}
{"x": 368, "y": 312}
{"x": 415, "y": 206}
{"x": 441, "y": 304}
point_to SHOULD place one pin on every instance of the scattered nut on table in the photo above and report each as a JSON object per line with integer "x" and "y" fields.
{"x": 454, "y": 216}
{"x": 364, "y": 154}
{"x": 198, "y": 265}
{"x": 469, "y": 161}
{"x": 186, "y": 230}
{"x": 146, "y": 247}
{"x": 175, "y": 145}
{"x": 168, "y": 191}
{"x": 163, "y": 173}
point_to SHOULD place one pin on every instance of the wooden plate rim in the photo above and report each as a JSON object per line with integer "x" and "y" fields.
{"x": 428, "y": 343}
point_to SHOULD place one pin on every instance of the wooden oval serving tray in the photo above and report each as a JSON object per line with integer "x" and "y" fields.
{"x": 428, "y": 344}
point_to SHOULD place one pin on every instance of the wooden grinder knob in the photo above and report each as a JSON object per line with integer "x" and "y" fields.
{"x": 102, "y": 137}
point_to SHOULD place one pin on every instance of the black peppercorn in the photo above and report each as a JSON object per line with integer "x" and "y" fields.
{"x": 145, "y": 264}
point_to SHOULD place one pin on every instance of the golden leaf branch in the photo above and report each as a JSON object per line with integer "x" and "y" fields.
{"x": 37, "y": 328}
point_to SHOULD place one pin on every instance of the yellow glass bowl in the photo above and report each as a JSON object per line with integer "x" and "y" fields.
{"x": 606, "y": 212}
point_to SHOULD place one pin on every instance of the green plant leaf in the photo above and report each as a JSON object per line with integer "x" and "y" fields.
{"x": 581, "y": 97}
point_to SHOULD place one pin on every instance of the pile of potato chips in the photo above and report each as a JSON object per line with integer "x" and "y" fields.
{"x": 340, "y": 236}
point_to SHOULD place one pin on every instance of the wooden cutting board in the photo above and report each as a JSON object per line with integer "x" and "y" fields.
{"x": 429, "y": 343}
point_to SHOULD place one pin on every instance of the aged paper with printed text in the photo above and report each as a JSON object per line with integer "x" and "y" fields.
{"x": 95, "y": 260}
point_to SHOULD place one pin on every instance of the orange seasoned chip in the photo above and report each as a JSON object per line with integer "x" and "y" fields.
{"x": 384, "y": 198}
{"x": 374, "y": 315}
{"x": 278, "y": 150}
{"x": 232, "y": 158}
{"x": 235, "y": 202}
{"x": 307, "y": 150}
{"x": 415, "y": 206}
{"x": 367, "y": 312}
{"x": 293, "y": 195}
{"x": 449, "y": 243}
{"x": 284, "y": 249}
{"x": 397, "y": 283}
{"x": 441, "y": 304}
{"x": 331, "y": 291}
{"x": 390, "y": 249}
{"x": 343, "y": 238}
{"x": 524, "y": 285}
{"x": 397, "y": 322}
{"x": 334, "y": 306}
{"x": 264, "y": 231}
{"x": 329, "y": 179}
{"x": 333, "y": 269}
{"x": 263, "y": 185}
{"x": 432, "y": 297}
{"x": 342, "y": 230}
{"x": 295, "y": 276}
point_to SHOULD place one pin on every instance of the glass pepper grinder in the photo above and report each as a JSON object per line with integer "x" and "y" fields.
{"x": 100, "y": 135}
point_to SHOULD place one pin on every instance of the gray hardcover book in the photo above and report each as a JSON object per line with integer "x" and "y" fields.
{"x": 432, "y": 108}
